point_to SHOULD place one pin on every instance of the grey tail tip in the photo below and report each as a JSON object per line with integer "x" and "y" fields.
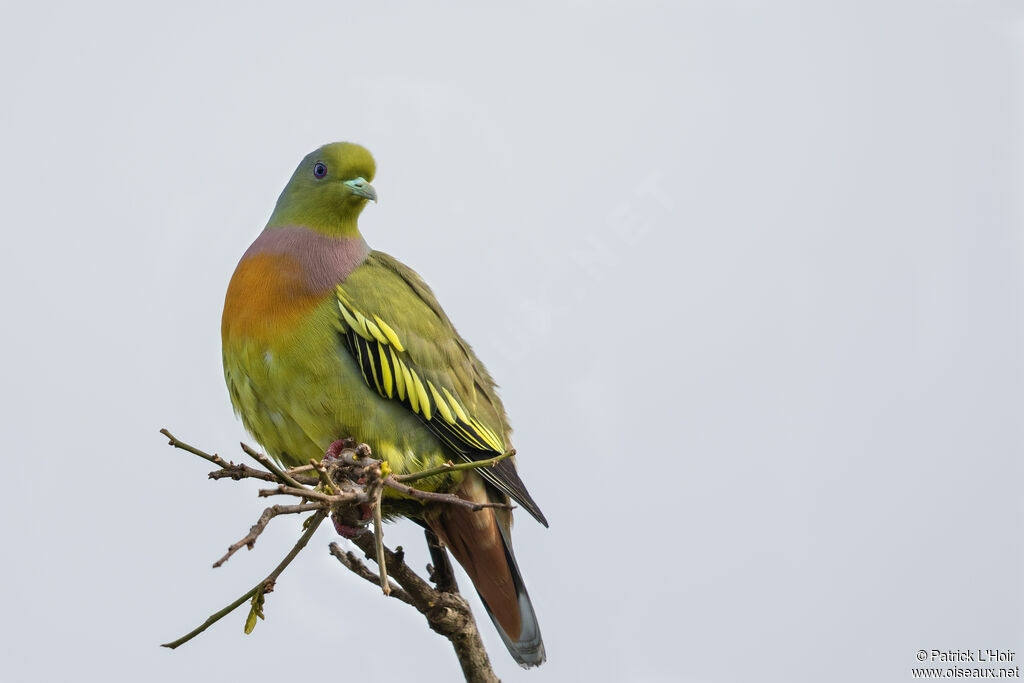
{"x": 529, "y": 651}
{"x": 528, "y": 648}
{"x": 530, "y": 658}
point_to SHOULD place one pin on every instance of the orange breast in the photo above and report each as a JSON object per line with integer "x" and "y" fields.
{"x": 266, "y": 298}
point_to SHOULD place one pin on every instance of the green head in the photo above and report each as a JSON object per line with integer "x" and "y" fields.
{"x": 328, "y": 190}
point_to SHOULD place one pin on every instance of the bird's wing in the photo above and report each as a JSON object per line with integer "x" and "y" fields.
{"x": 409, "y": 351}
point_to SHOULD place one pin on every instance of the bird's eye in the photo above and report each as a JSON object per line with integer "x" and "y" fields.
{"x": 319, "y": 170}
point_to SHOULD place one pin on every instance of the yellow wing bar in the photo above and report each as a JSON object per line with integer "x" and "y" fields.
{"x": 385, "y": 366}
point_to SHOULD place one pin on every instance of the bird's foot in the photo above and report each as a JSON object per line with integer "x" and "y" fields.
{"x": 335, "y": 449}
{"x": 346, "y": 531}
{"x": 347, "y": 525}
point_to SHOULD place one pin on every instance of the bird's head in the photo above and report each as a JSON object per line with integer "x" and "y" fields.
{"x": 328, "y": 190}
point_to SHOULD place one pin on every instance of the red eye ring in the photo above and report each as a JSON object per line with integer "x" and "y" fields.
{"x": 319, "y": 170}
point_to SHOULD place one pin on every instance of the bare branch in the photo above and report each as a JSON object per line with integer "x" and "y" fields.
{"x": 273, "y": 511}
{"x": 264, "y": 586}
{"x": 345, "y": 481}
{"x": 447, "y": 613}
{"x": 378, "y": 533}
{"x": 440, "y": 569}
{"x": 391, "y": 482}
{"x": 238, "y": 471}
{"x": 215, "y": 459}
{"x": 345, "y": 498}
{"x": 269, "y": 464}
{"x": 323, "y": 476}
{"x": 356, "y": 566}
{"x": 455, "y": 467}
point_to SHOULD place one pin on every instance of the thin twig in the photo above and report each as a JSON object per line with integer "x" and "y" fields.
{"x": 270, "y": 465}
{"x": 420, "y": 494}
{"x": 378, "y": 531}
{"x": 325, "y": 478}
{"x": 273, "y": 511}
{"x": 440, "y": 568}
{"x": 238, "y": 471}
{"x": 320, "y": 496}
{"x": 356, "y": 566}
{"x": 177, "y": 443}
{"x": 455, "y": 467}
{"x": 420, "y": 590}
{"x": 446, "y": 611}
{"x": 313, "y": 522}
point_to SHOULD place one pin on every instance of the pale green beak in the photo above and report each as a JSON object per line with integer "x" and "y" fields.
{"x": 361, "y": 188}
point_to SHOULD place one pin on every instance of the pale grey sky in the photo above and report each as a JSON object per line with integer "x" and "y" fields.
{"x": 751, "y": 276}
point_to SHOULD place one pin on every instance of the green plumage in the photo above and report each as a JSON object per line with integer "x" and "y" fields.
{"x": 451, "y": 392}
{"x": 324, "y": 339}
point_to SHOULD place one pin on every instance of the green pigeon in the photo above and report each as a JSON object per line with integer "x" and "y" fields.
{"x": 325, "y": 338}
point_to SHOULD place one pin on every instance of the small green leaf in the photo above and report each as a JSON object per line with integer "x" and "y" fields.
{"x": 255, "y": 611}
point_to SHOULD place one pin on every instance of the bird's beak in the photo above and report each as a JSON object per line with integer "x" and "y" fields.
{"x": 361, "y": 188}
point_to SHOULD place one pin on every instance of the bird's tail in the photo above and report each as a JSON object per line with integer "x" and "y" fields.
{"x": 482, "y": 543}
